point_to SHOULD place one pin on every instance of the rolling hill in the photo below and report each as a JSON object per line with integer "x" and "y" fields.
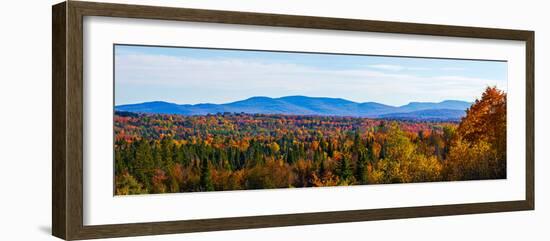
{"x": 303, "y": 105}
{"x": 428, "y": 115}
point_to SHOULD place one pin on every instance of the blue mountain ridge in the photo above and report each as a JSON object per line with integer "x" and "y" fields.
{"x": 427, "y": 115}
{"x": 303, "y": 105}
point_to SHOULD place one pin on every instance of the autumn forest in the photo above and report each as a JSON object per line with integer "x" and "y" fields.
{"x": 170, "y": 153}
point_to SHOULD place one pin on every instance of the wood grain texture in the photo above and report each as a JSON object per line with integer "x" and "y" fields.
{"x": 530, "y": 120}
{"x": 59, "y": 192}
{"x": 279, "y": 20}
{"x": 67, "y": 100}
{"x": 75, "y": 125}
{"x": 121, "y": 230}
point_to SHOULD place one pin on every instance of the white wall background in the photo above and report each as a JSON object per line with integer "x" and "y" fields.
{"x": 25, "y": 119}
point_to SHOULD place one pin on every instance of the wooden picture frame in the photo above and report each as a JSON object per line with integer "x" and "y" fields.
{"x": 67, "y": 124}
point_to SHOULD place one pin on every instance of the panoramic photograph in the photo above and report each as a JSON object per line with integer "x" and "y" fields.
{"x": 202, "y": 119}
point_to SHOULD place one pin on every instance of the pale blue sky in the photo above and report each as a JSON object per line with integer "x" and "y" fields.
{"x": 194, "y": 75}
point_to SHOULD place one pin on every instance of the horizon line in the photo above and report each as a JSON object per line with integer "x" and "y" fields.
{"x": 275, "y": 98}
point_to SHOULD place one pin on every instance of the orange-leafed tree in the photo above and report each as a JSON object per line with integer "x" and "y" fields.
{"x": 482, "y": 130}
{"x": 158, "y": 181}
{"x": 485, "y": 120}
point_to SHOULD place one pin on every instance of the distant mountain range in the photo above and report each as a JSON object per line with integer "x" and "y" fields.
{"x": 303, "y": 105}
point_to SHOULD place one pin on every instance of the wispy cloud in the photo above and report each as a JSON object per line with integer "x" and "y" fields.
{"x": 387, "y": 67}
{"x": 391, "y": 67}
{"x": 452, "y": 69}
{"x": 146, "y": 77}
